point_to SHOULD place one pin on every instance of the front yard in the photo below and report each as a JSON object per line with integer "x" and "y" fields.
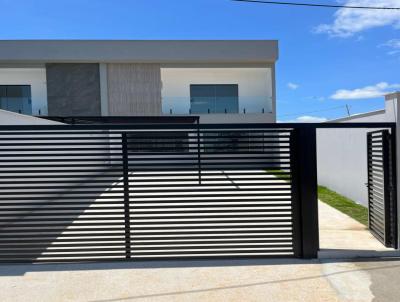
{"x": 343, "y": 204}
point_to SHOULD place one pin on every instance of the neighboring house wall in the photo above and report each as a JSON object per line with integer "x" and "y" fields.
{"x": 134, "y": 89}
{"x": 73, "y": 89}
{"x": 34, "y": 77}
{"x": 342, "y": 154}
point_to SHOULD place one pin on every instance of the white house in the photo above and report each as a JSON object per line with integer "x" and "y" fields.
{"x": 223, "y": 81}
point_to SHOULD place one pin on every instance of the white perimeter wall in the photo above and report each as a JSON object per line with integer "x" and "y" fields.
{"x": 35, "y": 77}
{"x": 342, "y": 157}
{"x": 12, "y": 118}
{"x": 255, "y": 84}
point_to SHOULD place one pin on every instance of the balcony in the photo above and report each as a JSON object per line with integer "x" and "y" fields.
{"x": 245, "y": 105}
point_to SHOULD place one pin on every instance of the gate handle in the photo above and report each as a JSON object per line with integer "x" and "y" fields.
{"x": 366, "y": 184}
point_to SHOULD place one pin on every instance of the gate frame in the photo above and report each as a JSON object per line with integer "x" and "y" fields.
{"x": 306, "y": 181}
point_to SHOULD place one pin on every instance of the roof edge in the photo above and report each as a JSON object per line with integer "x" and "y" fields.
{"x": 156, "y": 51}
{"x": 358, "y": 115}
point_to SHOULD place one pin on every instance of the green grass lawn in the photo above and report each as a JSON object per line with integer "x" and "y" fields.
{"x": 335, "y": 200}
{"x": 343, "y": 204}
{"x": 278, "y": 173}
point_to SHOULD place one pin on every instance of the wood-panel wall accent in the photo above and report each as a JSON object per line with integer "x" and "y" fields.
{"x": 134, "y": 89}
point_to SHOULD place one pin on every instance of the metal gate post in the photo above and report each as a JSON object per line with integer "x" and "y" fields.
{"x": 393, "y": 177}
{"x": 395, "y": 98}
{"x": 126, "y": 196}
{"x": 307, "y": 190}
{"x": 295, "y": 193}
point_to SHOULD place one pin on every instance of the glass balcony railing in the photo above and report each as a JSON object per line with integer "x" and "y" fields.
{"x": 245, "y": 105}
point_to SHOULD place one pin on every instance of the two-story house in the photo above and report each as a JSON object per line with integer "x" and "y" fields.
{"x": 220, "y": 81}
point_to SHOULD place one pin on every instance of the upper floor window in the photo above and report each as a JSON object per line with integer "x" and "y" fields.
{"x": 16, "y": 98}
{"x": 214, "y": 98}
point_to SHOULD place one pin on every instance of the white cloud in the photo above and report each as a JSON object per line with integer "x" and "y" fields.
{"x": 293, "y": 86}
{"x": 315, "y": 98}
{"x": 347, "y": 22}
{"x": 306, "y": 119}
{"x": 367, "y": 92}
{"x": 394, "y": 45}
{"x": 310, "y": 119}
{"x": 360, "y": 38}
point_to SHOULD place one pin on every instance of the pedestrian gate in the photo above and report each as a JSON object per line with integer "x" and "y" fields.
{"x": 382, "y": 210}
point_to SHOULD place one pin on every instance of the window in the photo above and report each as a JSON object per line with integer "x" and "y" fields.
{"x": 222, "y": 98}
{"x": 168, "y": 141}
{"x": 16, "y": 98}
{"x": 233, "y": 141}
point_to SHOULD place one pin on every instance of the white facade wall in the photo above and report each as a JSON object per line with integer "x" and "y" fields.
{"x": 35, "y": 77}
{"x": 342, "y": 155}
{"x": 256, "y": 89}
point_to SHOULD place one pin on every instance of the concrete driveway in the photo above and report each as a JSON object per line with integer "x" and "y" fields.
{"x": 250, "y": 280}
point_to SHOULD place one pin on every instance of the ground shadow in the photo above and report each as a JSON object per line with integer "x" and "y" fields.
{"x": 43, "y": 229}
{"x": 21, "y": 269}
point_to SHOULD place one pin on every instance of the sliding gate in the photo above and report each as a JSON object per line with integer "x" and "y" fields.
{"x": 74, "y": 193}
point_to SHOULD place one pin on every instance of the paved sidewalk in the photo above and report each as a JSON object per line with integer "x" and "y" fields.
{"x": 255, "y": 280}
{"x": 162, "y": 281}
{"x": 343, "y": 237}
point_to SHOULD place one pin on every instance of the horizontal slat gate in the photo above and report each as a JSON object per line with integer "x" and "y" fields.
{"x": 209, "y": 193}
{"x": 381, "y": 194}
{"x": 146, "y": 193}
{"x": 61, "y": 196}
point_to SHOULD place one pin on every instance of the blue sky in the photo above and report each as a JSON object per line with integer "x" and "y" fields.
{"x": 328, "y": 57}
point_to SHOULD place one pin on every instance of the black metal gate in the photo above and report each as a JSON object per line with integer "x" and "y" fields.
{"x": 172, "y": 191}
{"x": 382, "y": 210}
{"x": 109, "y": 192}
